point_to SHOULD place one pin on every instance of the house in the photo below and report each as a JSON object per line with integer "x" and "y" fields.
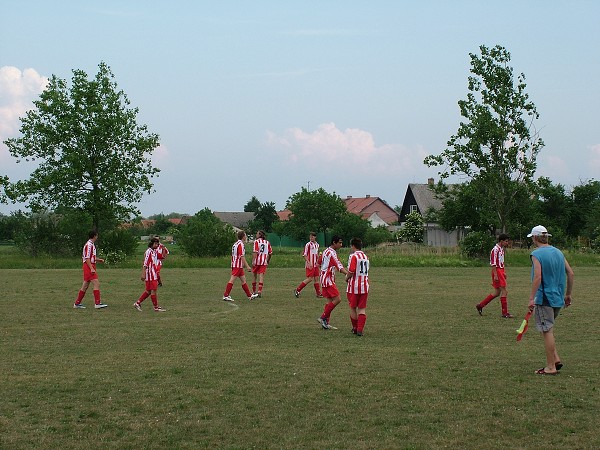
{"x": 373, "y": 209}
{"x": 238, "y": 220}
{"x": 421, "y": 198}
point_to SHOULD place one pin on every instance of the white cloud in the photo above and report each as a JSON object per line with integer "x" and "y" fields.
{"x": 349, "y": 148}
{"x": 18, "y": 89}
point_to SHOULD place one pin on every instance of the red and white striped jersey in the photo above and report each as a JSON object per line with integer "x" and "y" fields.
{"x": 311, "y": 249}
{"x": 150, "y": 264}
{"x": 358, "y": 263}
{"x": 262, "y": 249}
{"x": 89, "y": 251}
{"x": 497, "y": 257}
{"x": 161, "y": 252}
{"x": 328, "y": 266}
{"x": 237, "y": 255}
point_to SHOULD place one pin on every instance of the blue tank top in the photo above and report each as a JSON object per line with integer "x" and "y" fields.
{"x": 553, "y": 282}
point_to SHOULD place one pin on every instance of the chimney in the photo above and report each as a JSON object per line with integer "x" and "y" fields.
{"x": 368, "y": 196}
{"x": 348, "y": 196}
{"x": 430, "y": 181}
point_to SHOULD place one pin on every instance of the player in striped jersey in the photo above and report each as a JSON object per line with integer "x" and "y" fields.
{"x": 498, "y": 278}
{"x": 150, "y": 276}
{"x": 261, "y": 256}
{"x": 329, "y": 265}
{"x": 89, "y": 273}
{"x": 311, "y": 266}
{"x": 357, "y": 290}
{"x": 161, "y": 252}
{"x": 238, "y": 264}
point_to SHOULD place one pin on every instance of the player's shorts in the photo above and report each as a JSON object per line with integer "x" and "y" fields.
{"x": 311, "y": 273}
{"x": 357, "y": 300}
{"x": 545, "y": 316}
{"x": 259, "y": 269}
{"x": 237, "y": 271}
{"x": 87, "y": 273}
{"x": 330, "y": 291}
{"x": 152, "y": 285}
{"x": 501, "y": 279}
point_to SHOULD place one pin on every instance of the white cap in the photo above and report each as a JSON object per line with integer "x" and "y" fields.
{"x": 539, "y": 231}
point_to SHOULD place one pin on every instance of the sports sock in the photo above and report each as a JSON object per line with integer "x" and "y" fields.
{"x": 504, "y": 304}
{"x": 143, "y": 297}
{"x": 260, "y": 287}
{"x": 301, "y": 286}
{"x": 486, "y": 300}
{"x": 246, "y": 289}
{"x": 330, "y": 306}
{"x": 97, "y": 296}
{"x": 228, "y": 289}
{"x": 154, "y": 299}
{"x": 253, "y": 286}
{"x": 362, "y": 318}
{"x": 354, "y": 322}
{"x": 317, "y": 288}
{"x": 80, "y": 296}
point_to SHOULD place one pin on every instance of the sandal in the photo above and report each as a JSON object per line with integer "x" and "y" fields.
{"x": 558, "y": 365}
{"x": 542, "y": 371}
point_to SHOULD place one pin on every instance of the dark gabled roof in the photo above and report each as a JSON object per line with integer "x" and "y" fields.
{"x": 425, "y": 197}
{"x": 236, "y": 219}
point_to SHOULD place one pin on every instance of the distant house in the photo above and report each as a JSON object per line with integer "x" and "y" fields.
{"x": 238, "y": 220}
{"x": 284, "y": 215}
{"x": 373, "y": 209}
{"x": 421, "y": 198}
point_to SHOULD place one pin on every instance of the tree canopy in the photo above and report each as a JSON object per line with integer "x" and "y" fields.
{"x": 496, "y": 147}
{"x": 92, "y": 154}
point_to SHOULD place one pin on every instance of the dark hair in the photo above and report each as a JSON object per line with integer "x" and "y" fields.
{"x": 241, "y": 234}
{"x": 503, "y": 237}
{"x": 356, "y": 243}
{"x": 92, "y": 234}
{"x": 260, "y": 234}
{"x": 312, "y": 233}
{"x": 335, "y": 239}
{"x": 153, "y": 241}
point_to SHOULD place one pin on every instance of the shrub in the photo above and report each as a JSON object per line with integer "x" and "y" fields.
{"x": 205, "y": 235}
{"x": 477, "y": 244}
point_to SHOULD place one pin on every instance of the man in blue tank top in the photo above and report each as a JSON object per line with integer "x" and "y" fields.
{"x": 550, "y": 272}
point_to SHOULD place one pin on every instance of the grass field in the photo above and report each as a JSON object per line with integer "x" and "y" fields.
{"x": 429, "y": 372}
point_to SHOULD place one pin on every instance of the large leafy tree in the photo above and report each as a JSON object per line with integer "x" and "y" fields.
{"x": 315, "y": 210}
{"x": 93, "y": 156}
{"x": 205, "y": 235}
{"x": 264, "y": 218}
{"x": 497, "y": 144}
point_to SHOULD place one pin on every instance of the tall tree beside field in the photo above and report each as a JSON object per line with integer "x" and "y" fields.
{"x": 93, "y": 156}
{"x": 497, "y": 145}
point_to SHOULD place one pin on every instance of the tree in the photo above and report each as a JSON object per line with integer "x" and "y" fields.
{"x": 253, "y": 205}
{"x": 350, "y": 226}
{"x": 93, "y": 155}
{"x": 264, "y": 218}
{"x": 497, "y": 146}
{"x": 412, "y": 230}
{"x": 315, "y": 210}
{"x": 205, "y": 235}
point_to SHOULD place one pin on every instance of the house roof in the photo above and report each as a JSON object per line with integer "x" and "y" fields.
{"x": 284, "y": 215}
{"x": 366, "y": 206}
{"x": 235, "y": 219}
{"x": 425, "y": 197}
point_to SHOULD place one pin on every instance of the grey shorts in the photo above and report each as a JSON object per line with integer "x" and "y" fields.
{"x": 545, "y": 316}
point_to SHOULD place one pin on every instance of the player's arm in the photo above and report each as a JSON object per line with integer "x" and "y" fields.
{"x": 351, "y": 269}
{"x": 570, "y": 279}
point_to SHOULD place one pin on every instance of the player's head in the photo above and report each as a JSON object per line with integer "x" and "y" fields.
{"x": 260, "y": 234}
{"x": 336, "y": 241}
{"x": 241, "y": 234}
{"x": 92, "y": 234}
{"x": 312, "y": 236}
{"x": 152, "y": 242}
{"x": 356, "y": 243}
{"x": 539, "y": 234}
{"x": 503, "y": 237}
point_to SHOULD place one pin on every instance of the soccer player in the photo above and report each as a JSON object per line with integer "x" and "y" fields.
{"x": 311, "y": 266}
{"x": 150, "y": 276}
{"x": 238, "y": 264}
{"x": 498, "y": 278}
{"x": 550, "y": 272}
{"x": 330, "y": 264}
{"x": 161, "y": 252}
{"x": 89, "y": 273}
{"x": 357, "y": 290}
{"x": 261, "y": 256}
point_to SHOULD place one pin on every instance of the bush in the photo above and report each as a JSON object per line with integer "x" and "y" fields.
{"x": 477, "y": 244}
{"x": 205, "y": 235}
{"x": 117, "y": 244}
{"x": 376, "y": 236}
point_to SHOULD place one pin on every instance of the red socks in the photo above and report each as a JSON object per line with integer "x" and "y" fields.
{"x": 80, "y": 296}
{"x": 317, "y": 288}
{"x": 301, "y": 286}
{"x": 97, "y": 297}
{"x": 228, "y": 289}
{"x": 143, "y": 297}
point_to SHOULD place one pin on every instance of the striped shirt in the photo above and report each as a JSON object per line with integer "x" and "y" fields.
{"x": 328, "y": 266}
{"x": 150, "y": 264}
{"x": 89, "y": 252}
{"x": 358, "y": 264}
{"x": 262, "y": 249}
{"x": 497, "y": 257}
{"x": 237, "y": 255}
{"x": 161, "y": 253}
{"x": 311, "y": 249}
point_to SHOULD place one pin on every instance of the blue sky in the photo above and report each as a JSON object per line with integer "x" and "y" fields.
{"x": 266, "y": 97}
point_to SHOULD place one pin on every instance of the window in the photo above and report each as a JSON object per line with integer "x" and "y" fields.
{"x": 413, "y": 208}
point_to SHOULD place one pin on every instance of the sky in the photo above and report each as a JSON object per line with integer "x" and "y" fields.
{"x": 265, "y": 98}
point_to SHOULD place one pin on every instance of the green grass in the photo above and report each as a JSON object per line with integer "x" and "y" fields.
{"x": 429, "y": 372}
